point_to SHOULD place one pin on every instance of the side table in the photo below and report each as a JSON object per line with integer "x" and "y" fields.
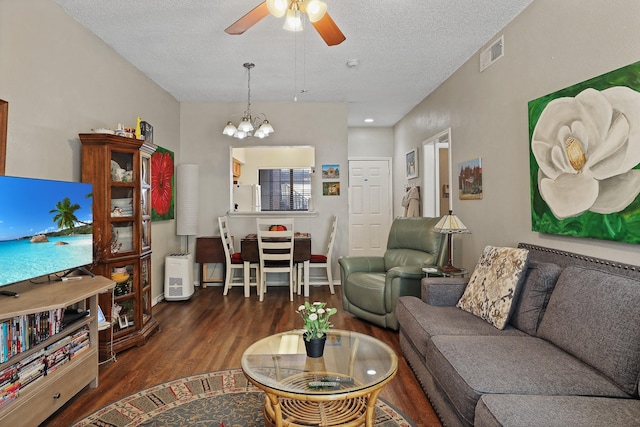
{"x": 210, "y": 250}
{"x": 437, "y": 272}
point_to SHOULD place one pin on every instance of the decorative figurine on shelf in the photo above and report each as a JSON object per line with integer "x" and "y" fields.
{"x": 138, "y": 128}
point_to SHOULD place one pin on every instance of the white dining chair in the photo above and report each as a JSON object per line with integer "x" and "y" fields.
{"x": 234, "y": 263}
{"x": 321, "y": 261}
{"x": 276, "y": 251}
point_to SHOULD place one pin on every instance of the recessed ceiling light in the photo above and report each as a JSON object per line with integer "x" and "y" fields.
{"x": 369, "y": 120}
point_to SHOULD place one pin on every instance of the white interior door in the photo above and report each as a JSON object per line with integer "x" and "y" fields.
{"x": 369, "y": 206}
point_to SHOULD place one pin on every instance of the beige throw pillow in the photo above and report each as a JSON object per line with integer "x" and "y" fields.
{"x": 494, "y": 284}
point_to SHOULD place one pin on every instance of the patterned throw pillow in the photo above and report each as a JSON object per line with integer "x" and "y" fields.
{"x": 494, "y": 284}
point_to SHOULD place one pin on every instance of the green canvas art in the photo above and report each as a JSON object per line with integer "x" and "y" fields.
{"x": 585, "y": 158}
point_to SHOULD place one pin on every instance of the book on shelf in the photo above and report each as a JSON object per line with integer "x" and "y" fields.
{"x": 21, "y": 333}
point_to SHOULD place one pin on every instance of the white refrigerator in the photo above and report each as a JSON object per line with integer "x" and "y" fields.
{"x": 246, "y": 198}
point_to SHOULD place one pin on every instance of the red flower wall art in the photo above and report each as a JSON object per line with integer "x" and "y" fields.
{"x": 162, "y": 185}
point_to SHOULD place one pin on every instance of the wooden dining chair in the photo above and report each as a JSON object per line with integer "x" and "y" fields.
{"x": 276, "y": 251}
{"x": 234, "y": 263}
{"x": 322, "y": 261}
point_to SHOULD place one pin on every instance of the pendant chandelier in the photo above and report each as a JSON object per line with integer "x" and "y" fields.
{"x": 249, "y": 126}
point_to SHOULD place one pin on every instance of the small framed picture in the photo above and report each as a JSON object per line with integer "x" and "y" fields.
{"x": 330, "y": 188}
{"x": 411, "y": 161}
{"x": 123, "y": 322}
{"x": 470, "y": 179}
{"x": 330, "y": 171}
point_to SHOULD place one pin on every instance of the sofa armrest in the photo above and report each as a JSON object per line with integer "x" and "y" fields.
{"x": 443, "y": 291}
{"x": 361, "y": 264}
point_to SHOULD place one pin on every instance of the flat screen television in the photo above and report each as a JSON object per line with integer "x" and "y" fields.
{"x": 46, "y": 227}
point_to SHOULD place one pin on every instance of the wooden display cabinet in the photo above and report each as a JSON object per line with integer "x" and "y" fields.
{"x": 120, "y": 170}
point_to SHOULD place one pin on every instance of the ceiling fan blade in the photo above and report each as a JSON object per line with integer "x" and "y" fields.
{"x": 328, "y": 30}
{"x": 248, "y": 20}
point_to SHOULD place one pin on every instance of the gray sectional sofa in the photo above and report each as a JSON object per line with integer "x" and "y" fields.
{"x": 570, "y": 355}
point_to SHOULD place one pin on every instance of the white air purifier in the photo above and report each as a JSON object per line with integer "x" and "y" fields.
{"x": 178, "y": 277}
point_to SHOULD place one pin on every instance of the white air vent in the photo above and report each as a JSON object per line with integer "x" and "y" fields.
{"x": 491, "y": 54}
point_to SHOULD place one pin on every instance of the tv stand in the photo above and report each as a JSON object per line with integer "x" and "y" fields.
{"x": 80, "y": 269}
{"x": 39, "y": 399}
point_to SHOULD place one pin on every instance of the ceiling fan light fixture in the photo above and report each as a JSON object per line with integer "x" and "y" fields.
{"x": 316, "y": 9}
{"x": 277, "y": 7}
{"x": 293, "y": 22}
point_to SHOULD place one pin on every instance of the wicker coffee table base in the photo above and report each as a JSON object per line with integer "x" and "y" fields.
{"x": 304, "y": 413}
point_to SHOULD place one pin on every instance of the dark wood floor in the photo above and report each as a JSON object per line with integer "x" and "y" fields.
{"x": 211, "y": 331}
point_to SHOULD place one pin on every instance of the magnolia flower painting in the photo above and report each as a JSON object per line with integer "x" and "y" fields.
{"x": 585, "y": 158}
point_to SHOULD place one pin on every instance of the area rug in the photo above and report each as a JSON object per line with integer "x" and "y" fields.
{"x": 217, "y": 399}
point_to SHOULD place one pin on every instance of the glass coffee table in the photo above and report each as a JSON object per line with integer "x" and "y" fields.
{"x": 340, "y": 388}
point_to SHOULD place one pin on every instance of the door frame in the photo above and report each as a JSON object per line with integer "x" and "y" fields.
{"x": 431, "y": 182}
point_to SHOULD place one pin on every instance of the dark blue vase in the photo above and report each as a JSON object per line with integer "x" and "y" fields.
{"x": 315, "y": 347}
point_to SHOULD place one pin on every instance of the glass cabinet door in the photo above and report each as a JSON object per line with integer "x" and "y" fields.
{"x": 145, "y": 283}
{"x": 145, "y": 201}
{"x": 122, "y": 237}
{"x": 122, "y": 167}
{"x": 124, "y": 276}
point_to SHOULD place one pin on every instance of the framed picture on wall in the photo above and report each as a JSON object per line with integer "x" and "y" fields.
{"x": 411, "y": 160}
{"x": 330, "y": 171}
{"x": 470, "y": 179}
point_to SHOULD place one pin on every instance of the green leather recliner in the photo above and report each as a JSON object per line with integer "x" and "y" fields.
{"x": 372, "y": 285}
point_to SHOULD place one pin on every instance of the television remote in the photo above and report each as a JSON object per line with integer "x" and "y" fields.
{"x": 10, "y": 293}
{"x": 338, "y": 379}
{"x": 315, "y": 384}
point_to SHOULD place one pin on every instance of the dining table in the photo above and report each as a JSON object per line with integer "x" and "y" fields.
{"x": 301, "y": 253}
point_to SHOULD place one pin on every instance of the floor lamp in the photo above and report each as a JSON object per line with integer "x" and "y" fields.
{"x": 450, "y": 224}
{"x": 187, "y": 201}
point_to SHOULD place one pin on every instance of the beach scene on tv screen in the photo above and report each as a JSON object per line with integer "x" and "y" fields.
{"x": 45, "y": 227}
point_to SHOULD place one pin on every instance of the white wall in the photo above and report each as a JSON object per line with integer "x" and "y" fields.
{"x": 551, "y": 45}
{"x": 61, "y": 80}
{"x": 322, "y": 125}
{"x": 371, "y": 142}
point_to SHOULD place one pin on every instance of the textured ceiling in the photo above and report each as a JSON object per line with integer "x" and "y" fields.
{"x": 405, "y": 49}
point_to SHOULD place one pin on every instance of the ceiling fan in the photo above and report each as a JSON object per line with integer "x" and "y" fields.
{"x": 315, "y": 9}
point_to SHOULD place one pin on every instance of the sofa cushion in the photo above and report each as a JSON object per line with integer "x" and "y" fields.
{"x": 595, "y": 316}
{"x": 497, "y": 410}
{"x": 466, "y": 367}
{"x": 366, "y": 291}
{"x": 494, "y": 284}
{"x": 540, "y": 279}
{"x": 421, "y": 321}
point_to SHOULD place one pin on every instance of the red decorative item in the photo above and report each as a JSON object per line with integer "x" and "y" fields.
{"x": 161, "y": 182}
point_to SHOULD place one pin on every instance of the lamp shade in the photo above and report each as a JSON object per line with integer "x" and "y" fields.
{"x": 277, "y": 7}
{"x": 187, "y": 190}
{"x": 450, "y": 224}
{"x": 293, "y": 22}
{"x": 316, "y": 9}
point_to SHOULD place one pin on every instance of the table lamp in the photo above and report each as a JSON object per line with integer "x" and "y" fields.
{"x": 450, "y": 224}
